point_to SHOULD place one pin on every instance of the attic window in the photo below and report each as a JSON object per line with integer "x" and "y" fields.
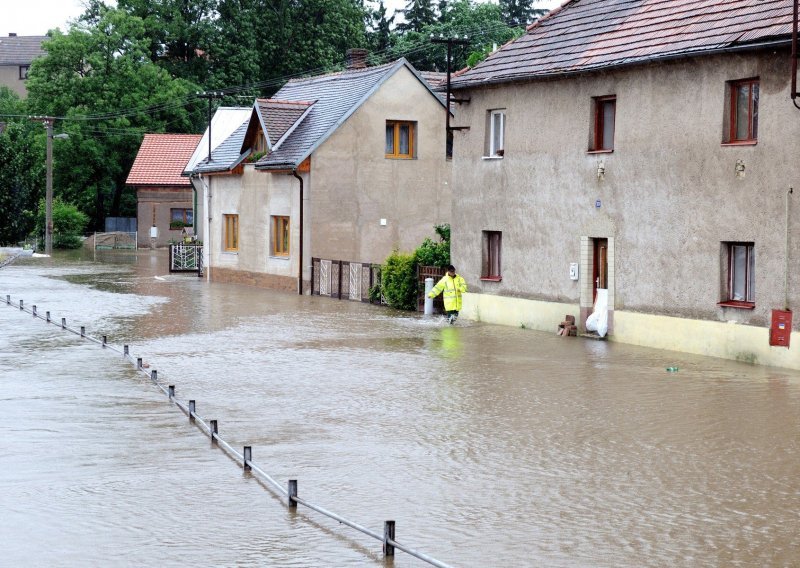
{"x": 260, "y": 143}
{"x": 400, "y": 139}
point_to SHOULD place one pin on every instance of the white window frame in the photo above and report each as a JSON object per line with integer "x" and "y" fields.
{"x": 493, "y": 152}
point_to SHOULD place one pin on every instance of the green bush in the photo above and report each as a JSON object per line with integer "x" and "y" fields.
{"x": 431, "y": 253}
{"x": 399, "y": 281}
{"x": 68, "y": 224}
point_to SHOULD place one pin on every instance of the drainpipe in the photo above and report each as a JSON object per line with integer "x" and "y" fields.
{"x": 794, "y": 54}
{"x": 786, "y": 268}
{"x": 300, "y": 276}
{"x": 206, "y": 228}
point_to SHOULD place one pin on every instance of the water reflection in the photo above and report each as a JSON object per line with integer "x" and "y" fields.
{"x": 489, "y": 446}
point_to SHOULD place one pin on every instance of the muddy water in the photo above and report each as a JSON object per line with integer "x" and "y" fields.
{"x": 489, "y": 446}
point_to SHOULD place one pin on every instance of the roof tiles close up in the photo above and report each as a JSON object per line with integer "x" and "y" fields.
{"x": 586, "y": 35}
{"x": 161, "y": 160}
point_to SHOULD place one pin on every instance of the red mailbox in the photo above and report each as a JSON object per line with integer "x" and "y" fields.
{"x": 781, "y": 328}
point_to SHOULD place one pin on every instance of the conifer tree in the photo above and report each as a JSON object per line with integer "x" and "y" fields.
{"x": 418, "y": 14}
{"x": 518, "y": 13}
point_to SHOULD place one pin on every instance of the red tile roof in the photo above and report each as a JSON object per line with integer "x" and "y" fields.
{"x": 585, "y": 35}
{"x": 162, "y": 158}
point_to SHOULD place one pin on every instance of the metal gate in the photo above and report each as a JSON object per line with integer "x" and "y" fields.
{"x": 344, "y": 280}
{"x": 185, "y": 257}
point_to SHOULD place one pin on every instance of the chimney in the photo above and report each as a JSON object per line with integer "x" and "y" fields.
{"x": 356, "y": 58}
{"x": 12, "y": 34}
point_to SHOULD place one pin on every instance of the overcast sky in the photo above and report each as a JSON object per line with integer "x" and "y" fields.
{"x": 35, "y": 17}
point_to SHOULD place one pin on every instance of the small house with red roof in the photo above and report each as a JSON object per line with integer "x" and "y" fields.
{"x": 631, "y": 161}
{"x": 165, "y": 197}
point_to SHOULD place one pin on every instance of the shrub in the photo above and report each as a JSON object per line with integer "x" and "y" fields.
{"x": 399, "y": 281}
{"x": 68, "y": 224}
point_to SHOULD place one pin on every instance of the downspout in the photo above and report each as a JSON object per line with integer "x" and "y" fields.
{"x": 206, "y": 228}
{"x": 786, "y": 267}
{"x": 794, "y": 53}
{"x": 300, "y": 276}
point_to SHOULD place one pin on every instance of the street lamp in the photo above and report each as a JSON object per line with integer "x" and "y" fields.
{"x": 48, "y": 230}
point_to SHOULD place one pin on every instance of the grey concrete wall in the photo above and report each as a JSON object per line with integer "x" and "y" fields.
{"x": 354, "y": 185}
{"x": 669, "y": 197}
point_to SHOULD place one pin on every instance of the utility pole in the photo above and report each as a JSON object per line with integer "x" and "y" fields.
{"x": 48, "y": 210}
{"x": 210, "y": 96}
{"x": 448, "y": 149}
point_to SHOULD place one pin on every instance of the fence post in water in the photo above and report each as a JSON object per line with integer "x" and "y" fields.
{"x": 8, "y": 299}
{"x": 388, "y": 534}
{"x": 105, "y": 340}
{"x": 248, "y": 456}
{"x": 171, "y": 391}
{"x": 125, "y": 351}
{"x": 214, "y": 431}
{"x": 33, "y": 311}
{"x": 192, "y": 406}
{"x": 154, "y": 376}
{"x": 47, "y": 317}
{"x": 292, "y": 493}
{"x": 63, "y": 323}
{"x": 83, "y": 331}
{"x": 20, "y": 305}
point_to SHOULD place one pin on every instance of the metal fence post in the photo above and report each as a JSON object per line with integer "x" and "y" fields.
{"x": 192, "y": 406}
{"x": 47, "y": 317}
{"x": 291, "y": 494}
{"x": 105, "y": 340}
{"x": 8, "y": 299}
{"x": 388, "y": 534}
{"x": 125, "y": 351}
{"x": 33, "y": 311}
{"x": 83, "y": 331}
{"x": 20, "y": 305}
{"x": 63, "y": 323}
{"x": 171, "y": 391}
{"x": 154, "y": 376}
{"x": 138, "y": 363}
{"x": 214, "y": 431}
{"x": 248, "y": 457}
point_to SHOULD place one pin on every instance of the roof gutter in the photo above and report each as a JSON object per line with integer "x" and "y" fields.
{"x": 614, "y": 66}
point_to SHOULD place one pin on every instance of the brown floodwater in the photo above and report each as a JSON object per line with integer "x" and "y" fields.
{"x": 489, "y": 446}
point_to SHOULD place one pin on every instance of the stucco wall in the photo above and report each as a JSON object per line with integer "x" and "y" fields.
{"x": 669, "y": 196}
{"x": 9, "y": 77}
{"x": 255, "y": 197}
{"x": 354, "y": 185}
{"x": 158, "y": 202}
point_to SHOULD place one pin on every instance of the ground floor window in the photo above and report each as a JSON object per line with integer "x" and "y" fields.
{"x": 180, "y": 218}
{"x": 740, "y": 277}
{"x": 280, "y": 235}
{"x": 231, "y": 232}
{"x": 492, "y": 244}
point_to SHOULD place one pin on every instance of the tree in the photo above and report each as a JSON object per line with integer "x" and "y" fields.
{"x": 99, "y": 78}
{"x": 68, "y": 224}
{"x": 481, "y": 23}
{"x": 418, "y": 14}
{"x": 519, "y": 13}
{"x": 260, "y": 42}
{"x": 381, "y": 36}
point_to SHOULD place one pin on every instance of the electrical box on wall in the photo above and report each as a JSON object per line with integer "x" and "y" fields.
{"x": 573, "y": 270}
{"x": 781, "y": 329}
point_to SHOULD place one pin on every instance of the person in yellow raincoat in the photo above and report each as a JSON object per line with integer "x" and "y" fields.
{"x": 453, "y": 287}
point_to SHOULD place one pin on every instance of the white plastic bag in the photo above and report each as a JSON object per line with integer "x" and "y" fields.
{"x": 598, "y": 320}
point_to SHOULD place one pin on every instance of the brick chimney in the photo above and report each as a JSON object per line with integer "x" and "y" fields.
{"x": 356, "y": 58}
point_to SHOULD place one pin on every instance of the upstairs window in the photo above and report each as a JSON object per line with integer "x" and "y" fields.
{"x": 605, "y": 113}
{"x": 744, "y": 111}
{"x": 280, "y": 236}
{"x": 740, "y": 289}
{"x": 400, "y": 139}
{"x": 497, "y": 131}
{"x": 23, "y": 71}
{"x": 231, "y": 234}
{"x": 490, "y": 265}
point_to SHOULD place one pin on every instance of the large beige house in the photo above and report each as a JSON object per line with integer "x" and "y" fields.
{"x": 16, "y": 55}
{"x": 643, "y": 151}
{"x": 350, "y": 164}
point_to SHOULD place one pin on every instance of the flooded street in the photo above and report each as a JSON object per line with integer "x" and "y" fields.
{"x": 489, "y": 446}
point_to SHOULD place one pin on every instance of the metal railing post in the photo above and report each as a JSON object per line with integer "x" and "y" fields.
{"x": 138, "y": 363}
{"x": 192, "y": 406}
{"x": 248, "y": 457}
{"x": 214, "y": 431}
{"x": 291, "y": 494}
{"x": 154, "y": 376}
{"x": 8, "y": 299}
{"x": 388, "y": 534}
{"x": 47, "y": 317}
{"x": 171, "y": 391}
{"x": 83, "y": 331}
{"x": 126, "y": 351}
{"x": 33, "y": 310}
{"x": 105, "y": 340}
{"x": 63, "y": 323}
{"x": 20, "y": 305}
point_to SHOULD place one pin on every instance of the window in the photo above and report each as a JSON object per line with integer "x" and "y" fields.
{"x": 497, "y": 127}
{"x": 280, "y": 236}
{"x": 740, "y": 277}
{"x": 23, "y": 71}
{"x": 744, "y": 111}
{"x": 260, "y": 143}
{"x": 231, "y": 236}
{"x": 492, "y": 241}
{"x": 179, "y": 218}
{"x": 400, "y": 139}
{"x": 605, "y": 112}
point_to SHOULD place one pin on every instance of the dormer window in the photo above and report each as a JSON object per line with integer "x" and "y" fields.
{"x": 260, "y": 142}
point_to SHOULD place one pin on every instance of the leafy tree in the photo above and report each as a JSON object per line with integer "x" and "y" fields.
{"x": 99, "y": 78}
{"x": 68, "y": 224}
{"x": 22, "y": 173}
{"x": 258, "y": 42}
{"x": 481, "y": 23}
{"x": 519, "y": 13}
{"x": 418, "y": 14}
